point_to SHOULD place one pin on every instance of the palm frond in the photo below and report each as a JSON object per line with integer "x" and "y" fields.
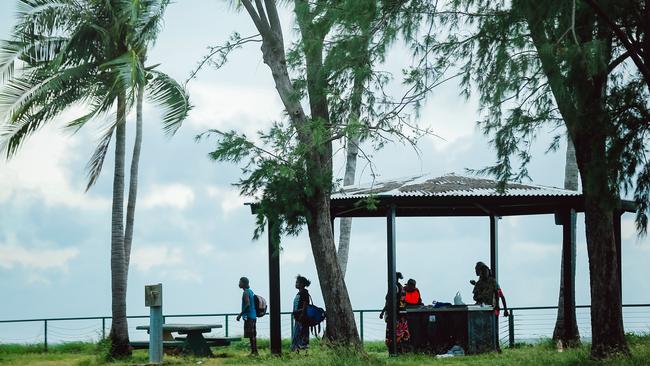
{"x": 127, "y": 69}
{"x": 171, "y": 97}
{"x": 96, "y": 162}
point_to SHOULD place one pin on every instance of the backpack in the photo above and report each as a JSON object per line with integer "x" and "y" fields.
{"x": 260, "y": 306}
{"x": 314, "y": 316}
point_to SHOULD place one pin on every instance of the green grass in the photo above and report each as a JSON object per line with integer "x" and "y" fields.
{"x": 86, "y": 354}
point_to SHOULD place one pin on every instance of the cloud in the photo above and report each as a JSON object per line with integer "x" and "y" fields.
{"x": 228, "y": 198}
{"x": 13, "y": 255}
{"x": 165, "y": 261}
{"x": 246, "y": 110}
{"x": 176, "y": 195}
{"x": 146, "y": 258}
{"x": 41, "y": 171}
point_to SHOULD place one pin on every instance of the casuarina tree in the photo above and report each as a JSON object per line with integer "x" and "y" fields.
{"x": 290, "y": 168}
{"x": 561, "y": 64}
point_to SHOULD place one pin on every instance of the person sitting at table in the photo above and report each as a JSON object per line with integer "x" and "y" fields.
{"x": 412, "y": 294}
{"x": 249, "y": 314}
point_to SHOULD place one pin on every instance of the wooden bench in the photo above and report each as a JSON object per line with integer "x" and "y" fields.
{"x": 215, "y": 341}
{"x": 166, "y": 344}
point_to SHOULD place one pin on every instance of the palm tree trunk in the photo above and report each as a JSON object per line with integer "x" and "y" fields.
{"x": 119, "y": 329}
{"x": 568, "y": 337}
{"x": 133, "y": 181}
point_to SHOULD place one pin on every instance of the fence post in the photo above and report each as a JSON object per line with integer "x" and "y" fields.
{"x": 511, "y": 329}
{"x": 103, "y": 328}
{"x": 226, "y": 316}
{"x": 45, "y": 334}
{"x": 361, "y": 325}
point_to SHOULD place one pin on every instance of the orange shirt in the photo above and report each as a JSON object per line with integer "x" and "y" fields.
{"x": 413, "y": 297}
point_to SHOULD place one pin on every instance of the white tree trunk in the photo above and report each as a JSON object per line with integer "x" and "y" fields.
{"x": 571, "y": 177}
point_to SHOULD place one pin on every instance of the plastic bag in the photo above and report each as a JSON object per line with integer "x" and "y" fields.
{"x": 458, "y": 300}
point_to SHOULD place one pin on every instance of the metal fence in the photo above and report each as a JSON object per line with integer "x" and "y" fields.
{"x": 524, "y": 325}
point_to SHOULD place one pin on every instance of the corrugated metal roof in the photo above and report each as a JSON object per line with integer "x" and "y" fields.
{"x": 446, "y": 186}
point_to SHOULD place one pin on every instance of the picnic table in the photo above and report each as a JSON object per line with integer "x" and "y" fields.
{"x": 193, "y": 340}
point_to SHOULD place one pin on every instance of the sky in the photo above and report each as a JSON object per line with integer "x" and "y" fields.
{"x": 193, "y": 233}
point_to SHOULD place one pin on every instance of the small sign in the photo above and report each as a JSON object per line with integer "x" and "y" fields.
{"x": 153, "y": 295}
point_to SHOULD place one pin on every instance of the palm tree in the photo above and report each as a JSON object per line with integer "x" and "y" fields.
{"x": 90, "y": 52}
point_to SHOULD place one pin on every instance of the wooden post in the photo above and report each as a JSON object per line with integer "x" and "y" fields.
{"x": 392, "y": 280}
{"x": 274, "y": 287}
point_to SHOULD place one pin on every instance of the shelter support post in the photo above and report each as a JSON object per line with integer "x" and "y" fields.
{"x": 274, "y": 287}
{"x": 619, "y": 253}
{"x": 494, "y": 246}
{"x": 494, "y": 265}
{"x": 392, "y": 280}
{"x": 568, "y": 267}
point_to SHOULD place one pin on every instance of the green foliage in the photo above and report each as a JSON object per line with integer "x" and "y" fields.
{"x": 335, "y": 68}
{"x": 531, "y": 67}
{"x": 68, "y": 52}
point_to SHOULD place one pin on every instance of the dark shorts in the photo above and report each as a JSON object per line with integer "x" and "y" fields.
{"x": 250, "y": 328}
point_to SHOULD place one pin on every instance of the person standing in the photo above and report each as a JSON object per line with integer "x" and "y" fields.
{"x": 300, "y": 339}
{"x": 487, "y": 291}
{"x": 249, "y": 314}
{"x": 402, "y": 333}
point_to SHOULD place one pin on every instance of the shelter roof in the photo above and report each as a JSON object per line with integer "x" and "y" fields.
{"x": 454, "y": 195}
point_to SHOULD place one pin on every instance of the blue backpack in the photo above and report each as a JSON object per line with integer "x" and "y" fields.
{"x": 314, "y": 316}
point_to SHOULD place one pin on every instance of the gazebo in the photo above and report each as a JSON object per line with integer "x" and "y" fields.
{"x": 448, "y": 195}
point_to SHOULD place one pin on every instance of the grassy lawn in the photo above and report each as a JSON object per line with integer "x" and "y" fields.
{"x": 84, "y": 354}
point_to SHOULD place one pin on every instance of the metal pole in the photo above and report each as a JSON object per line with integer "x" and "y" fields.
{"x": 226, "y": 316}
{"x": 568, "y": 245}
{"x": 45, "y": 334}
{"x": 274, "y": 287}
{"x": 494, "y": 246}
{"x": 392, "y": 280}
{"x": 511, "y": 329}
{"x": 103, "y": 328}
{"x": 619, "y": 254}
{"x": 361, "y": 325}
{"x": 155, "y": 335}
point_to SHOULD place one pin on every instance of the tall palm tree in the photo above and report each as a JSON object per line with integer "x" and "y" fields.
{"x": 90, "y": 52}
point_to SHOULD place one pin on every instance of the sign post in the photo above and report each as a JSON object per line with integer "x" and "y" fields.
{"x": 153, "y": 299}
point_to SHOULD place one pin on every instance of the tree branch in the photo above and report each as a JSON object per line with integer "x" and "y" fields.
{"x": 620, "y": 34}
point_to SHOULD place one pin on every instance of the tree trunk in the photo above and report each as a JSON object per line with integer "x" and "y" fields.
{"x": 346, "y": 222}
{"x": 341, "y": 327}
{"x": 608, "y": 335}
{"x": 569, "y": 337}
{"x": 119, "y": 334}
{"x": 133, "y": 181}
{"x": 352, "y": 152}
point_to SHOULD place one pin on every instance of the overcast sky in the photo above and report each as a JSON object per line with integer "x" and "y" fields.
{"x": 193, "y": 232}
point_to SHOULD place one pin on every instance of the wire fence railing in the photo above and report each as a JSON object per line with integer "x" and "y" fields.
{"x": 524, "y": 325}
